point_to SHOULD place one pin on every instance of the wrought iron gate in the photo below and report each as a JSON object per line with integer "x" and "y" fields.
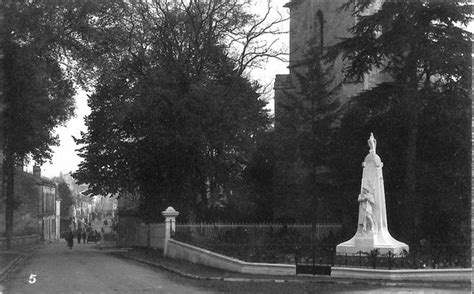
{"x": 314, "y": 260}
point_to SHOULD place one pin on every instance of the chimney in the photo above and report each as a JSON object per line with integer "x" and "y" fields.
{"x": 37, "y": 171}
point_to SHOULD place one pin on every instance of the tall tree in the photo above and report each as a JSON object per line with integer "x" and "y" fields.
{"x": 37, "y": 98}
{"x": 256, "y": 201}
{"x": 65, "y": 195}
{"x": 306, "y": 127}
{"x": 421, "y": 45}
{"x": 43, "y": 45}
{"x": 3, "y": 32}
{"x": 174, "y": 119}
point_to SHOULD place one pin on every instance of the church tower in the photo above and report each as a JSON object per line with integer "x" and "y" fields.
{"x": 319, "y": 22}
{"x": 316, "y": 24}
{"x": 323, "y": 23}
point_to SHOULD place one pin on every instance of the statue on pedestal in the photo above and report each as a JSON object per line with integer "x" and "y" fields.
{"x": 372, "y": 143}
{"x": 372, "y": 230}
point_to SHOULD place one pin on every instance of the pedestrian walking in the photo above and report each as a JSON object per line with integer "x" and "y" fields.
{"x": 79, "y": 236}
{"x": 70, "y": 239}
{"x": 97, "y": 236}
{"x": 84, "y": 236}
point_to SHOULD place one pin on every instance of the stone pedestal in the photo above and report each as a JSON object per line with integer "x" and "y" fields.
{"x": 372, "y": 230}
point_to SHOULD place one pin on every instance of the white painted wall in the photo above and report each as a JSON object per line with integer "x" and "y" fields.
{"x": 431, "y": 275}
{"x": 194, "y": 254}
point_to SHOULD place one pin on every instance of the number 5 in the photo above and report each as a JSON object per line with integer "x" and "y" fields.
{"x": 32, "y": 279}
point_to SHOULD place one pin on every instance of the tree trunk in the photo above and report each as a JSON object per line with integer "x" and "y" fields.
{"x": 412, "y": 218}
{"x": 2, "y": 72}
{"x": 2, "y": 103}
{"x": 9, "y": 181}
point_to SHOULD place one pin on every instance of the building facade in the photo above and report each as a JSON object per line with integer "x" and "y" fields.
{"x": 47, "y": 208}
{"x": 37, "y": 206}
{"x": 78, "y": 217}
{"x": 320, "y": 23}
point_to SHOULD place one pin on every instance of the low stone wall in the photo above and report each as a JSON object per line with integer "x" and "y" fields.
{"x": 198, "y": 255}
{"x": 432, "y": 275}
{"x": 132, "y": 232}
{"x": 157, "y": 236}
{"x": 20, "y": 241}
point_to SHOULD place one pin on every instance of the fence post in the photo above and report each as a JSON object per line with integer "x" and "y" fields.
{"x": 170, "y": 226}
{"x": 332, "y": 252}
{"x": 148, "y": 236}
{"x": 389, "y": 260}
{"x": 296, "y": 258}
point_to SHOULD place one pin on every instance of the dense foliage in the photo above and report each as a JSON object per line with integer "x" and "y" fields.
{"x": 304, "y": 131}
{"x": 174, "y": 119}
{"x": 67, "y": 200}
{"x": 37, "y": 95}
{"x": 420, "y": 115}
{"x": 47, "y": 49}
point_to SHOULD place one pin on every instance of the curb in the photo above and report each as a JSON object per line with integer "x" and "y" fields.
{"x": 283, "y": 280}
{"x": 10, "y": 267}
{"x": 160, "y": 266}
{"x": 21, "y": 256}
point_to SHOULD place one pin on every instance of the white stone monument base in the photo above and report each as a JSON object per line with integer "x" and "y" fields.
{"x": 367, "y": 242}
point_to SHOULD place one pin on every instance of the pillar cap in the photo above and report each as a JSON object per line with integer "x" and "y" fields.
{"x": 169, "y": 212}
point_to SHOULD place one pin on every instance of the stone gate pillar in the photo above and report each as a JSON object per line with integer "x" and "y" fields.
{"x": 170, "y": 226}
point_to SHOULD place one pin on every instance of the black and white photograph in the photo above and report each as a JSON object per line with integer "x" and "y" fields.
{"x": 236, "y": 146}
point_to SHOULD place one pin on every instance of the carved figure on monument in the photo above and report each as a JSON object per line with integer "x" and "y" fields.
{"x": 367, "y": 222}
{"x": 372, "y": 143}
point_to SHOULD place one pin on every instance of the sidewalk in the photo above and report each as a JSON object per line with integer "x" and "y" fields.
{"x": 9, "y": 258}
{"x": 200, "y": 272}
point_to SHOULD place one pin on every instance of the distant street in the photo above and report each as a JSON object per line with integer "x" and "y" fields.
{"x": 85, "y": 269}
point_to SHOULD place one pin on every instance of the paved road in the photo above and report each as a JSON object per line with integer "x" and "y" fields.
{"x": 393, "y": 290}
{"x": 86, "y": 269}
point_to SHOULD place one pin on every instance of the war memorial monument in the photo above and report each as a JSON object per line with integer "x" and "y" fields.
{"x": 372, "y": 229}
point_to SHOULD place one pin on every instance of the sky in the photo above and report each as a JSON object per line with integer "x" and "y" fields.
{"x": 65, "y": 158}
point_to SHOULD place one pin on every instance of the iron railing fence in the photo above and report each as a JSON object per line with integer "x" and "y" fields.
{"x": 310, "y": 253}
{"x": 437, "y": 256}
{"x": 216, "y": 230}
{"x": 272, "y": 243}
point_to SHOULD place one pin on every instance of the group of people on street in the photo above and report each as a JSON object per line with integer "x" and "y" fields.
{"x": 81, "y": 235}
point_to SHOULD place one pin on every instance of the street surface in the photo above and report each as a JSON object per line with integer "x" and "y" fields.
{"x": 389, "y": 290}
{"x": 54, "y": 268}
